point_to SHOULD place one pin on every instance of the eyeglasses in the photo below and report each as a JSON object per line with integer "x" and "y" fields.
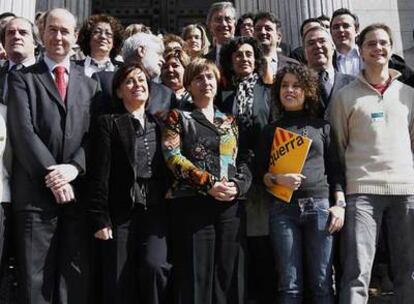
{"x": 247, "y": 24}
{"x": 373, "y": 43}
{"x": 313, "y": 42}
{"x": 220, "y": 19}
{"x": 99, "y": 32}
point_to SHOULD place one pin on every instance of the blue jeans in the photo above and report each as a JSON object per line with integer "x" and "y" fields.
{"x": 300, "y": 239}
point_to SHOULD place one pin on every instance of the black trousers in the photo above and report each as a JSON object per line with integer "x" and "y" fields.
{"x": 135, "y": 268}
{"x": 207, "y": 250}
{"x": 5, "y": 237}
{"x": 51, "y": 249}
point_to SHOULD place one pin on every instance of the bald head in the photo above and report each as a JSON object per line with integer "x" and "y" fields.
{"x": 59, "y": 34}
{"x": 62, "y": 12}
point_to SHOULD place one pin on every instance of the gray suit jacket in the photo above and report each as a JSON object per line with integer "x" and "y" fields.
{"x": 340, "y": 81}
{"x": 45, "y": 130}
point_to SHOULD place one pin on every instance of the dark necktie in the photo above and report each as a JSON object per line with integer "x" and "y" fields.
{"x": 60, "y": 81}
{"x": 325, "y": 87}
{"x": 16, "y": 67}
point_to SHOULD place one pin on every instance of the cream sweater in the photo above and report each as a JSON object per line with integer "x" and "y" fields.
{"x": 375, "y": 135}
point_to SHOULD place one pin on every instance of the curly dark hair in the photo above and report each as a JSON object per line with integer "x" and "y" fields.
{"x": 85, "y": 33}
{"x": 308, "y": 81}
{"x": 232, "y": 46}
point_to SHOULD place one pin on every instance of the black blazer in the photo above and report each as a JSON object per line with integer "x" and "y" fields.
{"x": 262, "y": 115}
{"x": 284, "y": 61}
{"x": 44, "y": 130}
{"x": 4, "y": 69}
{"x": 113, "y": 172}
{"x": 211, "y": 55}
{"x": 160, "y": 101}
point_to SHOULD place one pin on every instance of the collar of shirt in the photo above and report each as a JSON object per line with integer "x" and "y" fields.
{"x": 93, "y": 66}
{"x": 51, "y": 64}
{"x": 274, "y": 62}
{"x": 354, "y": 52}
{"x": 27, "y": 62}
{"x": 350, "y": 63}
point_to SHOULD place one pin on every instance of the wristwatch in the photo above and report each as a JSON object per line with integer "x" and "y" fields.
{"x": 340, "y": 203}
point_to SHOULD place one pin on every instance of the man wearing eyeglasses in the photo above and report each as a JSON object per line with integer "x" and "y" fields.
{"x": 221, "y": 21}
{"x": 319, "y": 49}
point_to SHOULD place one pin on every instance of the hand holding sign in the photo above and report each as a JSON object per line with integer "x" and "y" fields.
{"x": 288, "y": 155}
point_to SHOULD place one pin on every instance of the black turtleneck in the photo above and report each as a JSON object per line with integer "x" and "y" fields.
{"x": 321, "y": 167}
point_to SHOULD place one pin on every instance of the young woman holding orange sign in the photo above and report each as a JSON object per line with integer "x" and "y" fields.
{"x": 302, "y": 230}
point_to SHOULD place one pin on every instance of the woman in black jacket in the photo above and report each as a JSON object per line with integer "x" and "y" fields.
{"x": 248, "y": 99}
{"x": 127, "y": 186}
{"x": 201, "y": 149}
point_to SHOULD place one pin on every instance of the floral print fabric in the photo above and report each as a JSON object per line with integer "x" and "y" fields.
{"x": 199, "y": 152}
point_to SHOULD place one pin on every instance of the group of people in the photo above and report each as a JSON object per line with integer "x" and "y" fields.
{"x": 140, "y": 173}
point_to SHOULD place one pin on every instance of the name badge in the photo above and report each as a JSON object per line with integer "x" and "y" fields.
{"x": 377, "y": 116}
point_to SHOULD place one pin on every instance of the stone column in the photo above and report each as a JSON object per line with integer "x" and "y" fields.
{"x": 23, "y": 8}
{"x": 80, "y": 8}
{"x": 292, "y": 12}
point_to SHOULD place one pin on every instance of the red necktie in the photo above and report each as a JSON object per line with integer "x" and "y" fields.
{"x": 60, "y": 81}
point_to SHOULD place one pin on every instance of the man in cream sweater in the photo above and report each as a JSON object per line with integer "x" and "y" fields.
{"x": 373, "y": 118}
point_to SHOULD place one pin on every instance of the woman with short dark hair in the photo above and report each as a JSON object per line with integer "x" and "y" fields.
{"x": 201, "y": 150}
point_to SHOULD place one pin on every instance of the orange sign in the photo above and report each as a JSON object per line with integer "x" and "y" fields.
{"x": 288, "y": 155}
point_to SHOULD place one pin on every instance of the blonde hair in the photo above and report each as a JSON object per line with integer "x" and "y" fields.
{"x": 204, "y": 39}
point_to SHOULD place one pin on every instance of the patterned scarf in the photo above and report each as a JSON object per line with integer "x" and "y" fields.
{"x": 244, "y": 99}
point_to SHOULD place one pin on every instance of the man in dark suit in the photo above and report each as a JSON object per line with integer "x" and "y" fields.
{"x": 48, "y": 120}
{"x": 267, "y": 31}
{"x": 19, "y": 37}
{"x": 319, "y": 50}
{"x": 221, "y": 22}
{"x": 147, "y": 49}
